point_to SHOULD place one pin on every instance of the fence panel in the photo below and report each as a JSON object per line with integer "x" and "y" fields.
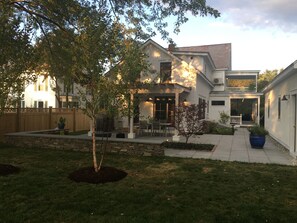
{"x": 34, "y": 119}
{"x": 8, "y": 123}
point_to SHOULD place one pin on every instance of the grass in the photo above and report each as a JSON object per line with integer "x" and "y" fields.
{"x": 157, "y": 189}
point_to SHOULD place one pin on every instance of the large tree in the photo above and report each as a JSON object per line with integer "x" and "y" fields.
{"x": 16, "y": 60}
{"x": 103, "y": 31}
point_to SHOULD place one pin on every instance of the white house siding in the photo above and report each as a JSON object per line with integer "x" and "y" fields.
{"x": 155, "y": 57}
{"x": 282, "y": 129}
{"x": 32, "y": 95}
{"x": 214, "y": 110}
{"x": 220, "y": 74}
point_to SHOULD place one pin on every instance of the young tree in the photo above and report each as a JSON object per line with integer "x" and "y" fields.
{"x": 188, "y": 120}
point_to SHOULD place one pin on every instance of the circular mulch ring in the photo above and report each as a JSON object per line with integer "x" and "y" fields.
{"x": 6, "y": 169}
{"x": 106, "y": 174}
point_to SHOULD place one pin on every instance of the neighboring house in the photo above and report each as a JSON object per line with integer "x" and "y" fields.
{"x": 198, "y": 74}
{"x": 41, "y": 94}
{"x": 281, "y": 108}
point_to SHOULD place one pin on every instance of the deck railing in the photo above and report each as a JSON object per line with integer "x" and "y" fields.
{"x": 236, "y": 120}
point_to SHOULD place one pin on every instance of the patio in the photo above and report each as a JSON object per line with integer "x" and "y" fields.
{"x": 236, "y": 148}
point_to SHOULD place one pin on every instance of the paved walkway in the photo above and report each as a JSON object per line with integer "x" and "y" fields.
{"x": 235, "y": 148}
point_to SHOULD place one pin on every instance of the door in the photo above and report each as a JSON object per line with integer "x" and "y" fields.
{"x": 40, "y": 104}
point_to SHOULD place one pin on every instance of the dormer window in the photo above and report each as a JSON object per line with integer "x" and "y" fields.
{"x": 165, "y": 72}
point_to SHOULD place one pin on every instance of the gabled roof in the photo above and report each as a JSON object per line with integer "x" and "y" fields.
{"x": 290, "y": 70}
{"x": 150, "y": 41}
{"x": 220, "y": 53}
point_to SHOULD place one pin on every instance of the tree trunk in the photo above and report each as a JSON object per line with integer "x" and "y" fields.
{"x": 94, "y": 146}
{"x": 103, "y": 147}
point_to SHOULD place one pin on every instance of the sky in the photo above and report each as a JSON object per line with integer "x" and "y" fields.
{"x": 263, "y": 33}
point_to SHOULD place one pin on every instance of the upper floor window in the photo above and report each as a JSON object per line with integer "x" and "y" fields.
{"x": 68, "y": 88}
{"x": 41, "y": 84}
{"x": 165, "y": 72}
{"x": 241, "y": 83}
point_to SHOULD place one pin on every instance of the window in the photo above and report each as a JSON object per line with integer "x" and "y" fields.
{"x": 268, "y": 108}
{"x": 218, "y": 103}
{"x": 41, "y": 84}
{"x": 279, "y": 108}
{"x": 22, "y": 104}
{"x": 70, "y": 88}
{"x": 165, "y": 72}
{"x": 202, "y": 106}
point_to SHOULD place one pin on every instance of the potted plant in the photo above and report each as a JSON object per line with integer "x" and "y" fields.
{"x": 257, "y": 136}
{"x": 61, "y": 123}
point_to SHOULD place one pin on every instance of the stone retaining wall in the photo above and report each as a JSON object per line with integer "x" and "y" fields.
{"x": 83, "y": 144}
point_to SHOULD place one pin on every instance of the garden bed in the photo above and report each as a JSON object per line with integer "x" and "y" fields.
{"x": 188, "y": 146}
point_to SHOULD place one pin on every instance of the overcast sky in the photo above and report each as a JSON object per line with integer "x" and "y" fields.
{"x": 263, "y": 33}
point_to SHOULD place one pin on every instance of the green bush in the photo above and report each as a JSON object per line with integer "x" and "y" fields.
{"x": 258, "y": 131}
{"x": 187, "y": 146}
{"x": 215, "y": 128}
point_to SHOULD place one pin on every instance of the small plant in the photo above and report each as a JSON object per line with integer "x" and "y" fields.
{"x": 257, "y": 130}
{"x": 61, "y": 123}
{"x": 224, "y": 118}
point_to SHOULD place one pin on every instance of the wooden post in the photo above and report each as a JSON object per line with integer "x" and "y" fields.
{"x": 18, "y": 119}
{"x": 74, "y": 119}
{"x": 131, "y": 134}
{"x": 50, "y": 117}
{"x": 176, "y": 137}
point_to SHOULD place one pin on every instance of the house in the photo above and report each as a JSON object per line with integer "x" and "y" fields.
{"x": 281, "y": 107}
{"x": 41, "y": 94}
{"x": 197, "y": 74}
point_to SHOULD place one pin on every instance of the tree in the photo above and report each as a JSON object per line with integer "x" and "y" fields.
{"x": 16, "y": 61}
{"x": 263, "y": 80}
{"x": 56, "y": 58}
{"x": 188, "y": 119}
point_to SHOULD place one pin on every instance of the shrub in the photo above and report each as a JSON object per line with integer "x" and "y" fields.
{"x": 258, "y": 131}
{"x": 224, "y": 117}
{"x": 187, "y": 146}
{"x": 215, "y": 128}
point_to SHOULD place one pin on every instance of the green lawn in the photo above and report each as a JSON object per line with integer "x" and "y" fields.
{"x": 155, "y": 190}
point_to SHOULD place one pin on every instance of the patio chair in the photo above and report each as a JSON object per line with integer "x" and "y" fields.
{"x": 144, "y": 127}
{"x": 156, "y": 128}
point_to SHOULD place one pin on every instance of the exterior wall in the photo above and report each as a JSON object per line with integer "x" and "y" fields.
{"x": 183, "y": 72}
{"x": 155, "y": 56}
{"x": 61, "y": 142}
{"x": 221, "y": 75}
{"x": 282, "y": 129}
{"x": 214, "y": 110}
{"x": 32, "y": 94}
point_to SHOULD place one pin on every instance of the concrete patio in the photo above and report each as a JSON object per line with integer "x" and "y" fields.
{"x": 236, "y": 148}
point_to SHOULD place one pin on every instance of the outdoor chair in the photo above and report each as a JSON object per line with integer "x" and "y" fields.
{"x": 144, "y": 127}
{"x": 156, "y": 128}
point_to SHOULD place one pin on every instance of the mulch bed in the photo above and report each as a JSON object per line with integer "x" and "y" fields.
{"x": 105, "y": 175}
{"x": 6, "y": 169}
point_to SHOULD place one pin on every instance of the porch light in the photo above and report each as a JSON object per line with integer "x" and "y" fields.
{"x": 149, "y": 99}
{"x": 285, "y": 97}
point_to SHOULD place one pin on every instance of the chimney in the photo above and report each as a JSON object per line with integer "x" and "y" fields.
{"x": 171, "y": 47}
